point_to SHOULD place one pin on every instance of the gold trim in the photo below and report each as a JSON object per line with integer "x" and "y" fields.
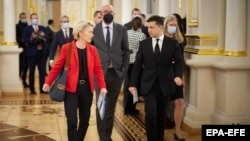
{"x": 192, "y": 22}
{"x": 215, "y": 52}
{"x": 8, "y": 43}
{"x": 180, "y": 8}
{"x": 202, "y": 40}
{"x": 235, "y": 53}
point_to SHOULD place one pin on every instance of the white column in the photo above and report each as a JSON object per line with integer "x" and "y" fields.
{"x": 235, "y": 25}
{"x": 232, "y": 73}
{"x": 9, "y": 21}
{"x": 10, "y": 83}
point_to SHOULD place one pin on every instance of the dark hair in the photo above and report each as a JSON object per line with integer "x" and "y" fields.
{"x": 136, "y": 23}
{"x": 180, "y": 23}
{"x": 143, "y": 15}
{"x": 50, "y": 21}
{"x": 21, "y": 14}
{"x": 155, "y": 18}
{"x": 97, "y": 12}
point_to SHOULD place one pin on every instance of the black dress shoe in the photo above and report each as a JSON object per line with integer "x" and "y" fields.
{"x": 43, "y": 92}
{"x": 32, "y": 92}
{"x": 131, "y": 112}
{"x": 25, "y": 85}
{"x": 176, "y": 138}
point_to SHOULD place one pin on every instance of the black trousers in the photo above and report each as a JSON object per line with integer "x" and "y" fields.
{"x": 81, "y": 101}
{"x": 155, "y": 113}
{"x": 105, "y": 126}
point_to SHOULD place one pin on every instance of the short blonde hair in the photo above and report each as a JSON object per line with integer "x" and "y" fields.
{"x": 178, "y": 36}
{"x": 79, "y": 26}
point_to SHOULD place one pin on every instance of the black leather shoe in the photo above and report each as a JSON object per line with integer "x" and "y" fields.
{"x": 131, "y": 112}
{"x": 25, "y": 85}
{"x": 176, "y": 138}
{"x": 43, "y": 92}
{"x": 32, "y": 92}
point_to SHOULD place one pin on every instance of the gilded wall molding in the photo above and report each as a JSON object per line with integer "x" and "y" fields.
{"x": 193, "y": 13}
{"x": 203, "y": 41}
{"x": 8, "y": 43}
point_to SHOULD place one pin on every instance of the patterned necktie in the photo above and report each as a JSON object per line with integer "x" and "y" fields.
{"x": 66, "y": 36}
{"x": 108, "y": 38}
{"x": 157, "y": 50}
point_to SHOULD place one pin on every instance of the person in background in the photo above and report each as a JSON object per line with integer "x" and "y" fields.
{"x": 51, "y": 32}
{"x": 23, "y": 62}
{"x": 84, "y": 64}
{"x": 136, "y": 13}
{"x": 134, "y": 37}
{"x": 97, "y": 16}
{"x": 111, "y": 41}
{"x": 143, "y": 18}
{"x": 172, "y": 30}
{"x": 61, "y": 37}
{"x": 35, "y": 36}
{"x": 158, "y": 76}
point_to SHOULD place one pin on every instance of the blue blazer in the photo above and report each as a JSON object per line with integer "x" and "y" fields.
{"x": 60, "y": 40}
{"x": 31, "y": 47}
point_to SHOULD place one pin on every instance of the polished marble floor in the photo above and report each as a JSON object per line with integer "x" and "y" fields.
{"x": 37, "y": 118}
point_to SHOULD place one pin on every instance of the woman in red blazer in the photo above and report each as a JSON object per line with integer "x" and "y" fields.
{"x": 84, "y": 64}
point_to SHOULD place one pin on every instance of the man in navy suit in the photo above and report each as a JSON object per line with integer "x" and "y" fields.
{"x": 61, "y": 37}
{"x": 34, "y": 36}
{"x": 158, "y": 76}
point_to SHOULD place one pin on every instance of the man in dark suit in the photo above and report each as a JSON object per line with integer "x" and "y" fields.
{"x": 23, "y": 63}
{"x": 51, "y": 34}
{"x": 34, "y": 36}
{"x": 61, "y": 37}
{"x": 136, "y": 13}
{"x": 111, "y": 41}
{"x": 155, "y": 56}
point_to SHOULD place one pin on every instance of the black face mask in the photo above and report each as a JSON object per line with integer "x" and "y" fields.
{"x": 108, "y": 18}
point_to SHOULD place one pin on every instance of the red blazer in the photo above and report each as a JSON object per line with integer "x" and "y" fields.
{"x": 93, "y": 65}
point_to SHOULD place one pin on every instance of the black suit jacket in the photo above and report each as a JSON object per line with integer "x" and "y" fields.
{"x": 144, "y": 29}
{"x": 59, "y": 39}
{"x": 146, "y": 66}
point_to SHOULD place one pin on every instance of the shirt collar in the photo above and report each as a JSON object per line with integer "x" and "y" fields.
{"x": 110, "y": 25}
{"x": 160, "y": 38}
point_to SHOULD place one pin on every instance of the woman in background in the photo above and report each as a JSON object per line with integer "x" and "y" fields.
{"x": 171, "y": 29}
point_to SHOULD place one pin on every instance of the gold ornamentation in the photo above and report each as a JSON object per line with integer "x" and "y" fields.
{"x": 193, "y": 13}
{"x": 8, "y": 43}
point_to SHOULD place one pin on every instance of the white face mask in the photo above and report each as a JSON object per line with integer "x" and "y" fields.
{"x": 65, "y": 25}
{"x": 171, "y": 29}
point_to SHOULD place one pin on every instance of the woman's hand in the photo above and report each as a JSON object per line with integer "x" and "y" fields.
{"x": 178, "y": 81}
{"x": 45, "y": 87}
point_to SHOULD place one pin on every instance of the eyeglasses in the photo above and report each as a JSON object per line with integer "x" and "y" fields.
{"x": 106, "y": 12}
{"x": 64, "y": 21}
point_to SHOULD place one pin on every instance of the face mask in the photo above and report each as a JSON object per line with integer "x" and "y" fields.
{"x": 108, "y": 18}
{"x": 34, "y": 22}
{"x": 23, "y": 21}
{"x": 171, "y": 29}
{"x": 65, "y": 25}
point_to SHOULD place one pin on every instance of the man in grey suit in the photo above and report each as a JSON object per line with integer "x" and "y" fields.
{"x": 111, "y": 41}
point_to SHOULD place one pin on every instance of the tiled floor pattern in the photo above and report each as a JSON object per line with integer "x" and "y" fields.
{"x": 37, "y": 118}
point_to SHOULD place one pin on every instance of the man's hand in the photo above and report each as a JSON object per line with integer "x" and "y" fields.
{"x": 132, "y": 90}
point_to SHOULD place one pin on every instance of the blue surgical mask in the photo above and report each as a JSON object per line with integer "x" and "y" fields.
{"x": 34, "y": 21}
{"x": 171, "y": 29}
{"x": 65, "y": 25}
{"x": 23, "y": 21}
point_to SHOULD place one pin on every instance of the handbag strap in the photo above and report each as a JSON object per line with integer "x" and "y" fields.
{"x": 66, "y": 66}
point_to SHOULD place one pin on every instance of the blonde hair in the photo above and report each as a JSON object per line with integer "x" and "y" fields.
{"x": 178, "y": 36}
{"x": 79, "y": 26}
